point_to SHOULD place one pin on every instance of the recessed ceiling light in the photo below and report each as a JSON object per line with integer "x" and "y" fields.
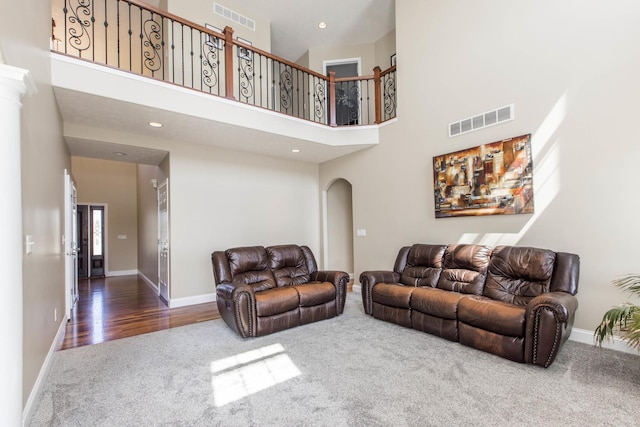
{"x": 119, "y": 153}
{"x": 322, "y": 25}
{"x": 155, "y": 124}
{"x": 295, "y": 150}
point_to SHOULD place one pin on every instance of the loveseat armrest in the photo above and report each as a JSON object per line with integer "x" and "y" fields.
{"x": 339, "y": 280}
{"x": 549, "y": 319}
{"x": 236, "y": 304}
{"x": 368, "y": 279}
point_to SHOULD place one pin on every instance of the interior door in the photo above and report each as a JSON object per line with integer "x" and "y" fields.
{"x": 163, "y": 240}
{"x": 82, "y": 225}
{"x": 71, "y": 244}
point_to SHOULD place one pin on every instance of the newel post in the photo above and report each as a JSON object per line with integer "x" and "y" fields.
{"x": 228, "y": 62}
{"x": 332, "y": 99}
{"x": 378, "y": 94}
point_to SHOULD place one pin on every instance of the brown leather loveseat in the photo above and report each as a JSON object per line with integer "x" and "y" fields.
{"x": 516, "y": 302}
{"x": 264, "y": 290}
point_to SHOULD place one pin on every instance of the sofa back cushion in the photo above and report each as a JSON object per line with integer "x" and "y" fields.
{"x": 250, "y": 265}
{"x": 465, "y": 268}
{"x": 424, "y": 263}
{"x": 518, "y": 274}
{"x": 288, "y": 264}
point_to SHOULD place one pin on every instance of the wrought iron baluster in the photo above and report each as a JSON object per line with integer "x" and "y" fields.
{"x": 390, "y": 95}
{"x": 211, "y": 62}
{"x": 106, "y": 34}
{"x": 152, "y": 60}
{"x": 286, "y": 89}
{"x": 79, "y": 37}
{"x": 246, "y": 83}
{"x": 320, "y": 99}
{"x": 118, "y": 28}
{"x": 130, "y": 45}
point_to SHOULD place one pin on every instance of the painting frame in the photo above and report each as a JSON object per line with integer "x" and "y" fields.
{"x": 490, "y": 179}
{"x": 393, "y": 59}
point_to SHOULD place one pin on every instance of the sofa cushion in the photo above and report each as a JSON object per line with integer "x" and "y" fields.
{"x": 250, "y": 266}
{"x": 288, "y": 264}
{"x": 436, "y": 302}
{"x": 276, "y": 301}
{"x": 494, "y": 316}
{"x": 392, "y": 294}
{"x": 424, "y": 263}
{"x": 518, "y": 274}
{"x": 315, "y": 293}
{"x": 465, "y": 268}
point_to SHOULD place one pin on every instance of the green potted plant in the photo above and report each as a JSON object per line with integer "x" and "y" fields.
{"x": 623, "y": 319}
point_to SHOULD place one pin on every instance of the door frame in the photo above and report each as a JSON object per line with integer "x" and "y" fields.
{"x": 344, "y": 61}
{"x": 164, "y": 243}
{"x": 105, "y": 239}
{"x": 70, "y": 243}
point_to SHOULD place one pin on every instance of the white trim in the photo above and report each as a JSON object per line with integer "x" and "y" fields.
{"x": 44, "y": 372}
{"x": 325, "y": 229}
{"x": 356, "y": 288}
{"x": 148, "y": 282}
{"x": 194, "y": 300}
{"x": 121, "y": 273}
{"x": 586, "y": 337}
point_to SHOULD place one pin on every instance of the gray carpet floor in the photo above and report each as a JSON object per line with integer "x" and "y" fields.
{"x": 352, "y": 370}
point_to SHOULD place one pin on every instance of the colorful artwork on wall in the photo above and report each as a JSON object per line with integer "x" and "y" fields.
{"x": 491, "y": 179}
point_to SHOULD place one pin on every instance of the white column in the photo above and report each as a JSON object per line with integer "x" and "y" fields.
{"x": 14, "y": 83}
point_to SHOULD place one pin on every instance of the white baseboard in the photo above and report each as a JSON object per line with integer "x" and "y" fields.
{"x": 122, "y": 273}
{"x": 586, "y": 337}
{"x": 42, "y": 375}
{"x": 148, "y": 281}
{"x": 356, "y": 288}
{"x": 198, "y": 299}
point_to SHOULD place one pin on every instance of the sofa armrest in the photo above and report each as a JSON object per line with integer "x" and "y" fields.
{"x": 549, "y": 320}
{"x": 339, "y": 280}
{"x": 237, "y": 306}
{"x": 368, "y": 279}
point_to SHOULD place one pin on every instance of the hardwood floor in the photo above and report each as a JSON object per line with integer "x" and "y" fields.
{"x": 118, "y": 307}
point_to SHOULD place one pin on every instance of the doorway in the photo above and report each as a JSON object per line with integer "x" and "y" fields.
{"x": 347, "y": 92}
{"x": 91, "y": 224}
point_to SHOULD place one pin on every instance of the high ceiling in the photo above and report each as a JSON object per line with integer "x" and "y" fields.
{"x": 294, "y": 23}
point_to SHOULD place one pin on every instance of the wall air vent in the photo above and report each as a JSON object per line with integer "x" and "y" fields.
{"x": 480, "y": 121}
{"x": 234, "y": 16}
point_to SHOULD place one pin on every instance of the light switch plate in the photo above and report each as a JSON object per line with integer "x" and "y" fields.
{"x": 361, "y": 232}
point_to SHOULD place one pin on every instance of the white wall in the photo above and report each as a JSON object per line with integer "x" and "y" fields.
{"x": 222, "y": 199}
{"x": 571, "y": 69}
{"x": 24, "y": 36}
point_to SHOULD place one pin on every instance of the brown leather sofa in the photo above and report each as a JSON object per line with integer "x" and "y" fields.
{"x": 516, "y": 302}
{"x": 264, "y": 290}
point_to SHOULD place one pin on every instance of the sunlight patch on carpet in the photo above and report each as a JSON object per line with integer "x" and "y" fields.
{"x": 244, "y": 374}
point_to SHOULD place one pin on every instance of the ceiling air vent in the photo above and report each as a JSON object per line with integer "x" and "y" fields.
{"x": 234, "y": 16}
{"x": 490, "y": 118}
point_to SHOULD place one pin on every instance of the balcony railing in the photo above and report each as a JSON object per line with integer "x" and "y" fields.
{"x": 133, "y": 36}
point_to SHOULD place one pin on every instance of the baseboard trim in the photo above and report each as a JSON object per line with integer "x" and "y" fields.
{"x": 148, "y": 281}
{"x": 198, "y": 299}
{"x": 42, "y": 375}
{"x": 122, "y": 273}
{"x": 586, "y": 337}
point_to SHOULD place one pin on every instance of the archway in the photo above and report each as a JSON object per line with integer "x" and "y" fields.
{"x": 338, "y": 226}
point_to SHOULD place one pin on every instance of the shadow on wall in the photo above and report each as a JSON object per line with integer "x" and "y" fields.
{"x": 546, "y": 178}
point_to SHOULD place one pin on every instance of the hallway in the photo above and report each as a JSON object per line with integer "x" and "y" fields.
{"x": 118, "y": 307}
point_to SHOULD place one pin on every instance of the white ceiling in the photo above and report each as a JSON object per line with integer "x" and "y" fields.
{"x": 294, "y": 23}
